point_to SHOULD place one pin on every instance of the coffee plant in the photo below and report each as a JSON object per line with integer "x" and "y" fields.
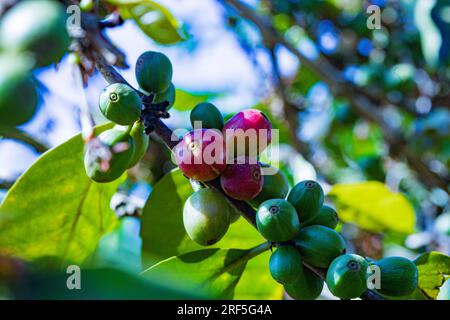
{"x": 300, "y": 237}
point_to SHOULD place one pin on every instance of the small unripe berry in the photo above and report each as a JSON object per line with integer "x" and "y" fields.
{"x": 120, "y": 103}
{"x": 247, "y": 133}
{"x": 153, "y": 72}
{"x": 201, "y": 155}
{"x": 208, "y": 115}
{"x": 327, "y": 217}
{"x": 167, "y": 95}
{"x": 285, "y": 264}
{"x": 275, "y": 186}
{"x": 140, "y": 138}
{"x": 206, "y": 216}
{"x": 399, "y": 276}
{"x": 242, "y": 180}
{"x": 347, "y": 276}
{"x": 307, "y": 285}
{"x": 319, "y": 245}
{"x": 307, "y": 198}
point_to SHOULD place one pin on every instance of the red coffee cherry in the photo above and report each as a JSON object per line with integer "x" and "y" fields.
{"x": 242, "y": 180}
{"x": 201, "y": 154}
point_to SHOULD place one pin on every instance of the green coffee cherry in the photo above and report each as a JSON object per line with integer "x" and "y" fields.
{"x": 167, "y": 95}
{"x": 140, "y": 138}
{"x": 120, "y": 159}
{"x": 153, "y": 72}
{"x": 444, "y": 291}
{"x": 307, "y": 285}
{"x": 209, "y": 116}
{"x": 41, "y": 32}
{"x": 234, "y": 215}
{"x": 398, "y": 276}
{"x": 307, "y": 198}
{"x": 275, "y": 187}
{"x": 347, "y": 276}
{"x": 120, "y": 103}
{"x": 285, "y": 264}
{"x": 326, "y": 217}
{"x": 18, "y": 93}
{"x": 319, "y": 245}
{"x": 277, "y": 220}
{"x": 206, "y": 216}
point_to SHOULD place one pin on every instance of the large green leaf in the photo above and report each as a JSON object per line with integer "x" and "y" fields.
{"x": 55, "y": 210}
{"x": 155, "y": 20}
{"x": 372, "y": 206}
{"x": 217, "y": 271}
{"x": 163, "y": 237}
{"x": 186, "y": 101}
{"x": 434, "y": 268}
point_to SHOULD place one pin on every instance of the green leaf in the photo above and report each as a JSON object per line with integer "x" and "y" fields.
{"x": 55, "y": 210}
{"x": 164, "y": 236}
{"x": 155, "y": 20}
{"x": 434, "y": 268}
{"x": 372, "y": 206}
{"x": 186, "y": 101}
{"x": 217, "y": 271}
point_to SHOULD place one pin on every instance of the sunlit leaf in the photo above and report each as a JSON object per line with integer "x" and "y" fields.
{"x": 433, "y": 267}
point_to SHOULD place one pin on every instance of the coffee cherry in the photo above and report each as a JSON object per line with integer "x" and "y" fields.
{"x": 277, "y": 220}
{"x": 120, "y": 159}
{"x": 206, "y": 216}
{"x": 37, "y": 27}
{"x": 275, "y": 187}
{"x": 167, "y": 95}
{"x": 153, "y": 72}
{"x": 18, "y": 94}
{"x": 347, "y": 276}
{"x": 444, "y": 291}
{"x": 247, "y": 133}
{"x": 141, "y": 141}
{"x": 442, "y": 224}
{"x": 242, "y": 180}
{"x": 326, "y": 217}
{"x": 120, "y": 103}
{"x": 208, "y": 114}
{"x": 307, "y": 285}
{"x": 234, "y": 215}
{"x": 307, "y": 198}
{"x": 200, "y": 155}
{"x": 285, "y": 264}
{"x": 398, "y": 275}
{"x": 319, "y": 245}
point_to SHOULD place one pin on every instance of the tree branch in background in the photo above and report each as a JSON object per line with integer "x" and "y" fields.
{"x": 19, "y": 135}
{"x": 360, "y": 103}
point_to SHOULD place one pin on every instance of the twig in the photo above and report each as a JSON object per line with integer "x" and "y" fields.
{"x": 112, "y": 76}
{"x": 6, "y": 184}
{"x": 19, "y": 135}
{"x": 361, "y": 104}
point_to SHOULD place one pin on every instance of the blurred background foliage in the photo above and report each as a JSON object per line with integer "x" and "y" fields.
{"x": 364, "y": 111}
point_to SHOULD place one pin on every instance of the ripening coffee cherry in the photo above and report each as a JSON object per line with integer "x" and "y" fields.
{"x": 208, "y": 115}
{"x": 247, "y": 133}
{"x": 285, "y": 264}
{"x": 206, "y": 216}
{"x": 319, "y": 245}
{"x": 347, "y": 276}
{"x": 167, "y": 95}
{"x": 122, "y": 149}
{"x": 120, "y": 103}
{"x": 277, "y": 220}
{"x": 201, "y": 155}
{"x": 275, "y": 186}
{"x": 307, "y": 285}
{"x": 242, "y": 180}
{"x": 18, "y": 93}
{"x": 399, "y": 276}
{"x": 36, "y": 27}
{"x": 140, "y": 138}
{"x": 327, "y": 217}
{"x": 444, "y": 291}
{"x": 153, "y": 72}
{"x": 307, "y": 198}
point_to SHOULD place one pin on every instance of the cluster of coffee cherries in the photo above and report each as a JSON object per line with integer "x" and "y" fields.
{"x": 121, "y": 147}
